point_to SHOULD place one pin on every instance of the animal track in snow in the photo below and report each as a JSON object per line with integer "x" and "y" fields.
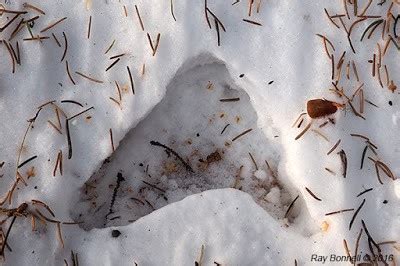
{"x": 200, "y": 116}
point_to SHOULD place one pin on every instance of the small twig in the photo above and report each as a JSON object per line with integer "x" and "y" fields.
{"x": 187, "y": 166}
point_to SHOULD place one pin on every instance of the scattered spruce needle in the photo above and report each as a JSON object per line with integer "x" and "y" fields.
{"x": 355, "y": 214}
{"x": 66, "y": 46}
{"x": 113, "y": 64}
{"x": 363, "y": 192}
{"x": 109, "y": 48}
{"x": 26, "y": 5}
{"x": 252, "y": 22}
{"x": 112, "y": 140}
{"x": 53, "y": 24}
{"x": 312, "y": 194}
{"x": 89, "y": 27}
{"x": 139, "y": 18}
{"x": 290, "y": 206}
{"x": 27, "y": 161}
{"x": 242, "y": 134}
{"x": 69, "y": 73}
{"x": 89, "y": 78}
{"x": 172, "y": 9}
{"x": 334, "y": 147}
{"x": 131, "y": 80}
{"x": 340, "y": 211}
{"x": 304, "y": 131}
{"x": 55, "y": 38}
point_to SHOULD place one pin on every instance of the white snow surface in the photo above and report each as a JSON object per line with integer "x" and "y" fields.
{"x": 177, "y": 98}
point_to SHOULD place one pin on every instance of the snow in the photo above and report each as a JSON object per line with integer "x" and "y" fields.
{"x": 235, "y": 201}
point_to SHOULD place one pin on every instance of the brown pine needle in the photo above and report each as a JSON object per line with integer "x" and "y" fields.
{"x": 125, "y": 11}
{"x": 298, "y": 118}
{"x": 89, "y": 78}
{"x": 242, "y": 134}
{"x": 112, "y": 64}
{"x": 157, "y": 44}
{"x": 303, "y": 132}
{"x": 89, "y": 27}
{"x": 290, "y": 206}
{"x": 250, "y": 7}
{"x": 112, "y": 140}
{"x": 55, "y": 38}
{"x": 345, "y": 8}
{"x": 59, "y": 234}
{"x": 66, "y": 46}
{"x": 56, "y": 166}
{"x": 341, "y": 211}
{"x": 252, "y": 22}
{"x": 343, "y": 158}
{"x": 330, "y": 19}
{"x": 116, "y": 56}
{"x": 143, "y": 69}
{"x": 355, "y": 70}
{"x": 55, "y": 127}
{"x": 109, "y": 48}
{"x": 334, "y": 147}
{"x": 11, "y": 56}
{"x": 346, "y": 248}
{"x": 366, "y": 8}
{"x": 387, "y": 76}
{"x": 131, "y": 80}
{"x": 330, "y": 171}
{"x": 69, "y": 73}
{"x": 118, "y": 90}
{"x": 320, "y": 134}
{"x": 312, "y": 194}
{"x": 355, "y": 214}
{"x": 44, "y": 205}
{"x": 139, "y": 18}
{"x": 151, "y": 43}
{"x": 254, "y": 161}
{"x": 37, "y": 38}
{"x": 29, "y": 6}
{"x": 172, "y": 9}
{"x": 53, "y": 24}
{"x": 115, "y": 101}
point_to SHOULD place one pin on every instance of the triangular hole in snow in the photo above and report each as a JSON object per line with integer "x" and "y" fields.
{"x": 194, "y": 122}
